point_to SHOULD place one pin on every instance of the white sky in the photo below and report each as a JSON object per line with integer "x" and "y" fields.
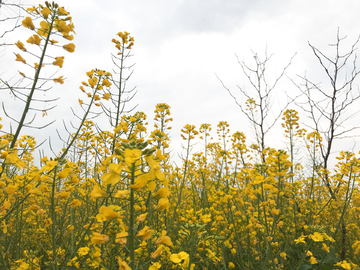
{"x": 181, "y": 44}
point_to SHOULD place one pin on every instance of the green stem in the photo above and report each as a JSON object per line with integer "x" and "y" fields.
{"x": 132, "y": 221}
{"x": 33, "y": 87}
{"x": 182, "y": 186}
{"x": 53, "y": 219}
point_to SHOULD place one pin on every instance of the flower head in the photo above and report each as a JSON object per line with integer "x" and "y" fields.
{"x": 69, "y": 47}
{"x": 98, "y": 238}
{"x": 19, "y": 58}
{"x": 20, "y": 45}
{"x": 59, "y": 61}
{"x": 179, "y": 258}
{"x": 27, "y": 22}
{"x": 164, "y": 239}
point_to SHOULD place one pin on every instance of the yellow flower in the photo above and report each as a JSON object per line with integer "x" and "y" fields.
{"x": 75, "y": 203}
{"x": 69, "y": 47}
{"x": 23, "y": 265}
{"x": 344, "y": 264}
{"x": 4, "y": 227}
{"x": 62, "y": 11}
{"x": 19, "y": 58}
{"x": 63, "y": 194}
{"x": 164, "y": 239}
{"x": 231, "y": 265}
{"x": 328, "y": 237}
{"x": 92, "y": 82}
{"x": 49, "y": 165}
{"x": 151, "y": 185}
{"x": 45, "y": 12}
{"x": 317, "y": 237}
{"x": 59, "y": 61}
{"x": 12, "y": 158}
{"x": 275, "y": 211}
{"x": 145, "y": 233}
{"x": 212, "y": 255}
{"x": 34, "y": 39}
{"x": 122, "y": 265}
{"x": 206, "y": 218}
{"x": 106, "y": 96}
{"x": 108, "y": 212}
{"x": 301, "y": 239}
{"x": 37, "y": 65}
{"x": 44, "y": 30}
{"x": 32, "y": 9}
{"x": 155, "y": 169}
{"x": 122, "y": 194}
{"x": 97, "y": 193}
{"x": 283, "y": 255}
{"x": 140, "y": 181}
{"x": 59, "y": 80}
{"x": 157, "y": 252}
{"x": 64, "y": 173}
{"x": 11, "y": 189}
{"x": 155, "y": 266}
{"x": 83, "y": 251}
{"x": 162, "y": 204}
{"x": 141, "y": 218}
{"x": 106, "y": 83}
{"x": 121, "y": 238}
{"x": 313, "y": 260}
{"x": 27, "y": 23}
{"x": 98, "y": 238}
{"x": 132, "y": 155}
{"x": 179, "y": 258}
{"x": 20, "y": 45}
{"x": 68, "y": 37}
{"x": 90, "y": 73}
{"x": 113, "y": 176}
{"x": 48, "y": 222}
{"x": 325, "y": 247}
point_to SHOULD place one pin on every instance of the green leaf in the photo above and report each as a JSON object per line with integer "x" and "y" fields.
{"x": 305, "y": 267}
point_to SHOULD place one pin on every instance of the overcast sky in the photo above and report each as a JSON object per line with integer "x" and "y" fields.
{"x": 181, "y": 44}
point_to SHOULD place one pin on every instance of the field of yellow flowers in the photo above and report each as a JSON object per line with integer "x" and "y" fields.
{"x": 114, "y": 200}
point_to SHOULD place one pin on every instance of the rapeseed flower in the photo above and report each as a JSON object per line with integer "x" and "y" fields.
{"x": 98, "y": 238}
{"x": 69, "y": 47}
{"x": 155, "y": 266}
{"x": 59, "y": 61}
{"x": 34, "y": 39}
{"x": 45, "y": 12}
{"x": 317, "y": 237}
{"x": 179, "y": 257}
{"x": 121, "y": 238}
{"x": 132, "y": 155}
{"x": 83, "y": 251}
{"x": 27, "y": 23}
{"x": 20, "y": 45}
{"x": 122, "y": 265}
{"x": 114, "y": 174}
{"x": 107, "y": 212}
{"x": 164, "y": 239}
{"x": 97, "y": 192}
{"x": 20, "y": 58}
{"x": 145, "y": 233}
{"x": 59, "y": 80}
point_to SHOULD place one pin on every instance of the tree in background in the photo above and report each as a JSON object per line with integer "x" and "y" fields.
{"x": 258, "y": 107}
{"x": 330, "y": 107}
